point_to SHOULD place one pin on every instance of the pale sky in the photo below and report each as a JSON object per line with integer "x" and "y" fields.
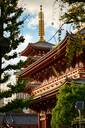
{"x": 51, "y": 14}
{"x": 33, "y": 6}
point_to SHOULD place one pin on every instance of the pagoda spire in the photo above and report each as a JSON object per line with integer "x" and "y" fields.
{"x": 41, "y": 25}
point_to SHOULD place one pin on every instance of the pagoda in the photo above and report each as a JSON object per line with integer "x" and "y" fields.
{"x": 49, "y": 72}
{"x": 35, "y": 50}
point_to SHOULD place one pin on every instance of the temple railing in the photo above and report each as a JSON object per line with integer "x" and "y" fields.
{"x": 55, "y": 82}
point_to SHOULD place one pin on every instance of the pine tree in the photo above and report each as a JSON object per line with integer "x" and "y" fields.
{"x": 9, "y": 34}
{"x": 10, "y": 38}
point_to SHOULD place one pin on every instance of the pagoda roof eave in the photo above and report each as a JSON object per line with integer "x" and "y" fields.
{"x": 27, "y": 50}
{"x": 38, "y": 45}
{"x": 46, "y": 58}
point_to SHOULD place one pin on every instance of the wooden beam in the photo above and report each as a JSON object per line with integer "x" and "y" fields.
{"x": 54, "y": 70}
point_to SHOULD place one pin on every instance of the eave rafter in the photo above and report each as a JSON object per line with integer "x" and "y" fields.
{"x": 45, "y": 60}
{"x": 43, "y": 74}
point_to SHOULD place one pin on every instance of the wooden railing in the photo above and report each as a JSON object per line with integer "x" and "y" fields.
{"x": 56, "y": 82}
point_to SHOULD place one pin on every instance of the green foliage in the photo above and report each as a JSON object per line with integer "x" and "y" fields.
{"x": 64, "y": 112}
{"x": 10, "y": 57}
{"x": 59, "y": 35}
{"x": 75, "y": 14}
{"x": 74, "y": 47}
{"x": 10, "y": 14}
{"x": 16, "y": 105}
{"x": 6, "y": 77}
{"x": 71, "y": 1}
{"x": 18, "y": 87}
{"x": 10, "y": 23}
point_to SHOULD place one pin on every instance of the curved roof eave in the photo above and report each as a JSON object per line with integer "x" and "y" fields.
{"x": 45, "y": 58}
{"x": 26, "y": 50}
{"x": 38, "y": 45}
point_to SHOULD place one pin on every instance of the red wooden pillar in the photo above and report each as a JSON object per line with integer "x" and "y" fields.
{"x": 45, "y": 121}
{"x": 38, "y": 120}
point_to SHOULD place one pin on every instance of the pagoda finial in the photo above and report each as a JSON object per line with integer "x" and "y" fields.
{"x": 41, "y": 24}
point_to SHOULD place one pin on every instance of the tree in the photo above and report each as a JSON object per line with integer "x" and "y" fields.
{"x": 9, "y": 30}
{"x": 71, "y": 1}
{"x": 15, "y": 105}
{"x": 10, "y": 38}
{"x": 75, "y": 14}
{"x": 74, "y": 17}
{"x": 64, "y": 112}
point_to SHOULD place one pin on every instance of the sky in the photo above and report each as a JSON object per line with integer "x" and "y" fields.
{"x": 30, "y": 27}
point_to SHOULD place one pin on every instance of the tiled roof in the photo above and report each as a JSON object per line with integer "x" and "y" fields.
{"x": 14, "y": 118}
{"x": 42, "y": 45}
{"x": 38, "y": 45}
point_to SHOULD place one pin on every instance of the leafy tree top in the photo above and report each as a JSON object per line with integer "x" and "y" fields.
{"x": 64, "y": 112}
{"x": 75, "y": 15}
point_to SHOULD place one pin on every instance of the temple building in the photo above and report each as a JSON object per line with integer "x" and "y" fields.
{"x": 36, "y": 50}
{"x": 46, "y": 70}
